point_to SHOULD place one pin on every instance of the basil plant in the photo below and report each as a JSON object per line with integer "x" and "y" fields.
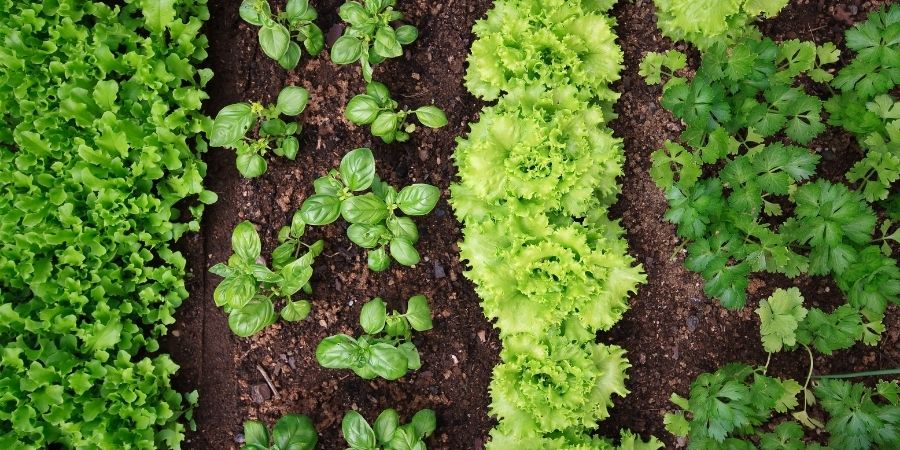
{"x": 387, "y": 433}
{"x": 371, "y": 38}
{"x": 373, "y": 216}
{"x": 280, "y": 33}
{"x": 233, "y": 124}
{"x": 291, "y": 432}
{"x": 377, "y": 109}
{"x": 250, "y": 288}
{"x": 386, "y": 350}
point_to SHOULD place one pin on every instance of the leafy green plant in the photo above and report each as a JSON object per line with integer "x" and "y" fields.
{"x": 280, "y": 33}
{"x": 370, "y": 37}
{"x": 249, "y": 288}
{"x": 291, "y": 432}
{"x": 732, "y": 406}
{"x": 386, "y": 349}
{"x": 377, "y": 109}
{"x": 233, "y": 123}
{"x": 705, "y": 23}
{"x": 656, "y": 66}
{"x": 101, "y": 170}
{"x": 374, "y": 223}
{"x": 387, "y": 433}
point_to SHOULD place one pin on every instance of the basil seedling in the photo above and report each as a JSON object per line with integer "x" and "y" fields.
{"x": 280, "y": 33}
{"x": 249, "y": 289}
{"x": 377, "y": 109}
{"x": 370, "y": 38}
{"x": 233, "y": 122}
{"x": 386, "y": 350}
{"x": 387, "y": 433}
{"x": 374, "y": 223}
{"x": 291, "y": 432}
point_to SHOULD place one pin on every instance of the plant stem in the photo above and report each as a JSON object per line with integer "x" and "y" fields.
{"x": 808, "y": 375}
{"x": 768, "y": 360}
{"x": 871, "y": 373}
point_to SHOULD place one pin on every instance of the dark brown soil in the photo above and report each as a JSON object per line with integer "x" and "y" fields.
{"x": 672, "y": 332}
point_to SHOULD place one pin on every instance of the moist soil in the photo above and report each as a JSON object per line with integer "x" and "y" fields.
{"x": 672, "y": 332}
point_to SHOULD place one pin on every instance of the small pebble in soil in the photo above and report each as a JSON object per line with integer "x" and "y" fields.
{"x": 439, "y": 271}
{"x": 259, "y": 393}
{"x": 692, "y": 322}
{"x": 239, "y": 438}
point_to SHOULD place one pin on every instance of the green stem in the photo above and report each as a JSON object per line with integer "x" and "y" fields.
{"x": 808, "y": 375}
{"x": 870, "y": 373}
{"x": 768, "y": 360}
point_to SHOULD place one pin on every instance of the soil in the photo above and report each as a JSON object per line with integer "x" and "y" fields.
{"x": 672, "y": 332}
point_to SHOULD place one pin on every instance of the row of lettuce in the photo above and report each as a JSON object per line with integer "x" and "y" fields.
{"x": 747, "y": 196}
{"x": 537, "y": 174}
{"x": 99, "y": 174}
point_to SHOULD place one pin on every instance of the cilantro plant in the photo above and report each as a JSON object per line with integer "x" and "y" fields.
{"x": 377, "y": 109}
{"x": 387, "y": 433}
{"x": 386, "y": 349}
{"x": 250, "y": 288}
{"x": 101, "y": 171}
{"x": 374, "y": 222}
{"x": 732, "y": 406}
{"x": 371, "y": 36}
{"x": 706, "y": 23}
{"x": 233, "y": 123}
{"x": 291, "y": 432}
{"x": 280, "y": 33}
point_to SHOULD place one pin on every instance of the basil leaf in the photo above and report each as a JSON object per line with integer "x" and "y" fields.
{"x": 295, "y": 10}
{"x": 397, "y": 326}
{"x": 252, "y": 318}
{"x": 337, "y": 352}
{"x": 362, "y": 109}
{"x": 387, "y": 361}
{"x": 353, "y": 13}
{"x": 404, "y": 439}
{"x": 386, "y": 43}
{"x": 235, "y": 292}
{"x": 404, "y": 252}
{"x": 295, "y": 275}
{"x": 298, "y": 226}
{"x": 294, "y": 432}
{"x": 378, "y": 260}
{"x": 385, "y": 124}
{"x": 357, "y": 431}
{"x": 273, "y": 127}
{"x": 372, "y": 316}
{"x": 289, "y": 147}
{"x": 403, "y": 227}
{"x": 222, "y": 270}
{"x": 327, "y": 186}
{"x": 358, "y": 169}
{"x": 385, "y": 425}
{"x": 418, "y": 313}
{"x": 346, "y": 50}
{"x": 292, "y": 100}
{"x": 245, "y": 241}
{"x": 263, "y": 274}
{"x": 315, "y": 40}
{"x": 320, "y": 209}
{"x": 251, "y": 15}
{"x": 413, "y": 360}
{"x": 230, "y": 125}
{"x": 283, "y": 254}
{"x": 296, "y": 311}
{"x": 366, "y": 236}
{"x": 366, "y": 209}
{"x": 291, "y": 57}
{"x": 251, "y": 166}
{"x": 379, "y": 92}
{"x": 418, "y": 199}
{"x": 406, "y": 34}
{"x": 431, "y": 116}
{"x": 255, "y": 433}
{"x": 274, "y": 40}
{"x": 424, "y": 423}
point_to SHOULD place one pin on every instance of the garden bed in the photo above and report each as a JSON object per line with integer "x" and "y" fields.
{"x": 672, "y": 333}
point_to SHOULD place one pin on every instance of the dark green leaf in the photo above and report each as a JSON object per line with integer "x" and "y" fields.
{"x": 337, "y": 352}
{"x": 358, "y": 169}
{"x": 387, "y": 361}
{"x": 320, "y": 209}
{"x": 357, "y": 431}
{"x": 372, "y": 316}
{"x": 379, "y": 260}
{"x": 424, "y": 423}
{"x": 293, "y": 432}
{"x": 406, "y": 34}
{"x": 365, "y": 209}
{"x": 403, "y": 227}
{"x": 291, "y": 57}
{"x": 252, "y": 318}
{"x": 362, "y": 109}
{"x": 386, "y": 43}
{"x": 274, "y": 40}
{"x": 385, "y": 425}
{"x": 418, "y": 199}
{"x": 431, "y": 116}
{"x": 418, "y": 313}
{"x": 296, "y": 311}
{"x": 245, "y": 241}
{"x": 255, "y": 433}
{"x": 292, "y": 100}
{"x": 230, "y": 125}
{"x": 404, "y": 252}
{"x": 346, "y": 50}
{"x": 235, "y": 292}
{"x": 251, "y": 15}
{"x": 251, "y": 166}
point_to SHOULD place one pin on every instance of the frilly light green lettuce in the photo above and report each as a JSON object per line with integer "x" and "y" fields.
{"x": 707, "y": 22}
{"x": 553, "y": 43}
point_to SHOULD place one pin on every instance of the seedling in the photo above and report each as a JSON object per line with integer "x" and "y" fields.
{"x": 370, "y": 38}
{"x": 377, "y": 109}
{"x": 387, "y": 433}
{"x": 291, "y": 432}
{"x": 250, "y": 287}
{"x": 374, "y": 223}
{"x": 386, "y": 350}
{"x": 280, "y": 33}
{"x": 234, "y": 122}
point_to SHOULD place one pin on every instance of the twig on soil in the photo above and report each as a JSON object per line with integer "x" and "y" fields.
{"x": 269, "y": 382}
